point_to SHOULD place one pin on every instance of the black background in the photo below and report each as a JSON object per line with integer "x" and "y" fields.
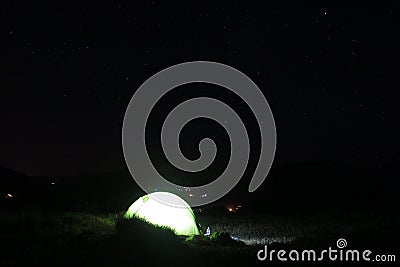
{"x": 330, "y": 74}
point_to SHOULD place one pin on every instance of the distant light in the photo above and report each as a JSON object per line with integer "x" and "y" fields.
{"x": 9, "y": 196}
{"x": 53, "y": 183}
{"x": 190, "y": 195}
{"x": 230, "y": 209}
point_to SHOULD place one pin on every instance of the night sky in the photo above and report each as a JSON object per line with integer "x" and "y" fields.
{"x": 68, "y": 72}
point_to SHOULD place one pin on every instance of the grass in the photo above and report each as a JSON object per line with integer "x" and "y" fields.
{"x": 263, "y": 229}
{"x": 70, "y": 222}
{"x": 76, "y": 239}
{"x": 31, "y": 237}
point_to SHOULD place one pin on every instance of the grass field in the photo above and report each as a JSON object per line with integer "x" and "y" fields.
{"x": 77, "y": 239}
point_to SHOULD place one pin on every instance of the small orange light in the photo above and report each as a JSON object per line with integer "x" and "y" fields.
{"x": 230, "y": 209}
{"x": 9, "y": 196}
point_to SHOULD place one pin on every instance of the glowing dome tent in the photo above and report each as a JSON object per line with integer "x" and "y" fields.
{"x": 165, "y": 209}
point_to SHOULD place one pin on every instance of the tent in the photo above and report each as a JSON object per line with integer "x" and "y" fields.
{"x": 165, "y": 209}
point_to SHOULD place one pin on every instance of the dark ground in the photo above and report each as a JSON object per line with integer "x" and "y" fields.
{"x": 84, "y": 239}
{"x": 76, "y": 221}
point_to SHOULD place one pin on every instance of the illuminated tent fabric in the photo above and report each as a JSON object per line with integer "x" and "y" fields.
{"x": 154, "y": 209}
